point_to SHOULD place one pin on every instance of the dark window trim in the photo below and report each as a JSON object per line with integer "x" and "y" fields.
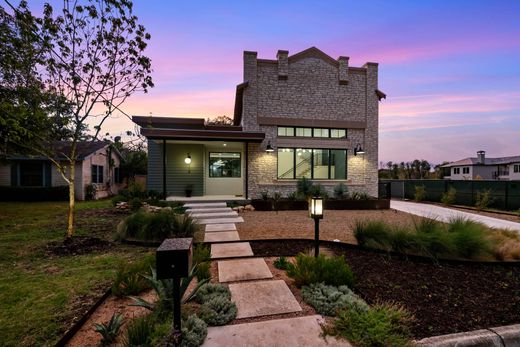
{"x": 98, "y": 174}
{"x": 312, "y": 162}
{"x": 209, "y": 165}
{"x": 312, "y": 132}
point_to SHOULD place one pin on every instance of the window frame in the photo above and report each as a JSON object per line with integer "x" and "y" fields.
{"x": 329, "y": 132}
{"x": 239, "y": 167}
{"x": 329, "y": 154}
{"x": 465, "y": 170}
{"x": 456, "y": 170}
{"x": 97, "y": 175}
{"x": 516, "y": 168}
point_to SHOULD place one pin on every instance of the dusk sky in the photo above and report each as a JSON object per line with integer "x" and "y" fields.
{"x": 450, "y": 69}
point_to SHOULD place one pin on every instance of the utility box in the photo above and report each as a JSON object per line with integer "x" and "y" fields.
{"x": 174, "y": 257}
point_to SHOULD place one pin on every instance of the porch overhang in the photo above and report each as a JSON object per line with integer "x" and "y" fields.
{"x": 203, "y": 135}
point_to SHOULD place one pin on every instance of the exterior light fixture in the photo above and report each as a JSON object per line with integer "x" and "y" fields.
{"x": 358, "y": 149}
{"x": 187, "y": 160}
{"x": 269, "y": 148}
{"x": 316, "y": 212}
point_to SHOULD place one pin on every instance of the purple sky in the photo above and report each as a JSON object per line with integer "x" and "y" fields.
{"x": 450, "y": 69}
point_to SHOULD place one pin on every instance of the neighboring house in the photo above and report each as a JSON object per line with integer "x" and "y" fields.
{"x": 98, "y": 164}
{"x": 296, "y": 116}
{"x": 503, "y": 169}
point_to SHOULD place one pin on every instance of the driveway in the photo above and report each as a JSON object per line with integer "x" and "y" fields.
{"x": 444, "y": 214}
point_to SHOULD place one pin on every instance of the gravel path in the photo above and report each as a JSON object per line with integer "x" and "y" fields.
{"x": 297, "y": 224}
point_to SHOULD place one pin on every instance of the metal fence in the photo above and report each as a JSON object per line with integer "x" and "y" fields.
{"x": 505, "y": 194}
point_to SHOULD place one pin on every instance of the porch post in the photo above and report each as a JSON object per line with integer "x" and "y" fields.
{"x": 247, "y": 169}
{"x": 164, "y": 168}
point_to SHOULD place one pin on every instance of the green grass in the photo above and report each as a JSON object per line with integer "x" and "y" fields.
{"x": 40, "y": 294}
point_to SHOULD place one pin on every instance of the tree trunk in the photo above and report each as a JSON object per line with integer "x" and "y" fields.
{"x": 70, "y": 222}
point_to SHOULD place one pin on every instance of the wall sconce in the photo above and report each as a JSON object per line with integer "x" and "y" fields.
{"x": 358, "y": 149}
{"x": 187, "y": 160}
{"x": 269, "y": 148}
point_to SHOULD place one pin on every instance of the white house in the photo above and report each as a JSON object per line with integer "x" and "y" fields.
{"x": 502, "y": 169}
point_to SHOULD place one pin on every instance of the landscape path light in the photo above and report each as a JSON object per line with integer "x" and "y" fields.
{"x": 316, "y": 212}
{"x": 173, "y": 261}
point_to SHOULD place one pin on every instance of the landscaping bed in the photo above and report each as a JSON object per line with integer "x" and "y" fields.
{"x": 445, "y": 297}
{"x": 330, "y": 204}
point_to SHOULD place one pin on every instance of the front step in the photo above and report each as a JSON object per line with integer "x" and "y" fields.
{"x": 209, "y": 210}
{"x": 231, "y": 250}
{"x": 214, "y": 215}
{"x": 205, "y": 205}
{"x": 220, "y": 220}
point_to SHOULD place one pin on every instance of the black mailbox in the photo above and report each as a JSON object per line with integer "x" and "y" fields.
{"x": 174, "y": 258}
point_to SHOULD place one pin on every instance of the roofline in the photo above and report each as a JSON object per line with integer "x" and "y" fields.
{"x": 203, "y": 134}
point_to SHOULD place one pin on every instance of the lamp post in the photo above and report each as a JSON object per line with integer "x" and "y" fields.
{"x": 316, "y": 212}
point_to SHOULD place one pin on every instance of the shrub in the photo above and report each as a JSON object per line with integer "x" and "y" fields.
{"x": 139, "y": 331}
{"x": 129, "y": 279}
{"x": 203, "y": 271}
{"x": 281, "y": 263}
{"x": 264, "y": 195}
{"x": 340, "y": 191}
{"x": 134, "y": 224}
{"x": 420, "y": 193}
{"x": 483, "y": 199}
{"x": 327, "y": 300}
{"x": 90, "y": 192}
{"x": 218, "y": 310}
{"x": 318, "y": 190}
{"x": 210, "y": 290}
{"x": 359, "y": 196}
{"x": 293, "y": 195}
{"x": 202, "y": 256}
{"x": 309, "y": 269}
{"x": 449, "y": 197}
{"x": 381, "y": 325}
{"x": 154, "y": 195}
{"x": 470, "y": 239}
{"x": 372, "y": 234}
{"x": 135, "y": 204}
{"x": 303, "y": 187}
{"x": 116, "y": 199}
{"x": 110, "y": 329}
{"x": 402, "y": 240}
{"x": 194, "y": 331}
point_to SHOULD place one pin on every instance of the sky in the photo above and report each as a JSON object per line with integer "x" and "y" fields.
{"x": 450, "y": 69}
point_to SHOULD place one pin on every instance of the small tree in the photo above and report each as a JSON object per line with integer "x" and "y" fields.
{"x": 449, "y": 197}
{"x": 420, "y": 193}
{"x": 94, "y": 61}
{"x": 220, "y": 120}
{"x": 483, "y": 199}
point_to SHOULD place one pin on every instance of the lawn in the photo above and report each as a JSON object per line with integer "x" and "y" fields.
{"x": 41, "y": 295}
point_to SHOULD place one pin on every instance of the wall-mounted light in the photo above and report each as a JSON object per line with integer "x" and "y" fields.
{"x": 187, "y": 160}
{"x": 358, "y": 149}
{"x": 269, "y": 148}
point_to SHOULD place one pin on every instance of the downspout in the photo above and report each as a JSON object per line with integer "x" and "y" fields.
{"x": 164, "y": 168}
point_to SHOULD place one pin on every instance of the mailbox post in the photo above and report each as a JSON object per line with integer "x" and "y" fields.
{"x": 174, "y": 259}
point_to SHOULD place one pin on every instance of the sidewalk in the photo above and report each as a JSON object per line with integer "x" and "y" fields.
{"x": 444, "y": 214}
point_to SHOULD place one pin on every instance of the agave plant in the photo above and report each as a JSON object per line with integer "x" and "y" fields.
{"x": 164, "y": 290}
{"x": 110, "y": 329}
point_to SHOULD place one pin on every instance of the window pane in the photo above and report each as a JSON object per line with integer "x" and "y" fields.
{"x": 321, "y": 163}
{"x": 285, "y": 131}
{"x": 100, "y": 173}
{"x": 31, "y": 174}
{"x": 303, "y": 163}
{"x": 306, "y": 132}
{"x": 321, "y": 132}
{"x": 224, "y": 165}
{"x": 338, "y": 133}
{"x": 338, "y": 164}
{"x": 285, "y": 163}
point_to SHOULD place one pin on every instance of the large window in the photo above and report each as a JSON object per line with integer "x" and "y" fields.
{"x": 117, "y": 175}
{"x": 224, "y": 165}
{"x": 31, "y": 174}
{"x": 516, "y": 168}
{"x": 97, "y": 173}
{"x": 312, "y": 163}
{"x": 312, "y": 132}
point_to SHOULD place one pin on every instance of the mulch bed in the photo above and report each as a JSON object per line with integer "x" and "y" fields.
{"x": 445, "y": 298}
{"x": 77, "y": 245}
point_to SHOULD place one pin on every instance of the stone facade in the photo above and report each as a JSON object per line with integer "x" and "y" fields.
{"x": 312, "y": 88}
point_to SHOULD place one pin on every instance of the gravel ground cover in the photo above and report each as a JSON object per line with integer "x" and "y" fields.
{"x": 296, "y": 224}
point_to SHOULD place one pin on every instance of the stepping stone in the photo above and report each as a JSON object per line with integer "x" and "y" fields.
{"x": 263, "y": 298}
{"x": 214, "y": 215}
{"x": 220, "y": 227}
{"x": 243, "y": 270}
{"x": 289, "y": 332}
{"x": 209, "y": 210}
{"x": 205, "y": 205}
{"x": 221, "y": 236}
{"x": 231, "y": 250}
{"x": 220, "y": 220}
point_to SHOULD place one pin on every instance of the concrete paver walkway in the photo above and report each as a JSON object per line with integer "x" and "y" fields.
{"x": 231, "y": 250}
{"x": 221, "y": 227}
{"x": 221, "y": 236}
{"x": 243, "y": 270}
{"x": 444, "y": 214}
{"x": 291, "y": 332}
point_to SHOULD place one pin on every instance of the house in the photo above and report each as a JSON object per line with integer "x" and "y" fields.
{"x": 302, "y": 115}
{"x": 503, "y": 168}
{"x": 98, "y": 164}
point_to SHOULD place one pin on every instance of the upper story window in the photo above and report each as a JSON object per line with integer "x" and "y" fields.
{"x": 465, "y": 170}
{"x": 456, "y": 170}
{"x": 312, "y": 132}
{"x": 516, "y": 168}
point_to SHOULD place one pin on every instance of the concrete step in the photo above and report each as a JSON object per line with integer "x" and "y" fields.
{"x": 205, "y": 205}
{"x": 220, "y": 236}
{"x": 209, "y": 210}
{"x": 231, "y": 250}
{"x": 243, "y": 270}
{"x": 220, "y": 220}
{"x": 220, "y": 227}
{"x": 214, "y": 215}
